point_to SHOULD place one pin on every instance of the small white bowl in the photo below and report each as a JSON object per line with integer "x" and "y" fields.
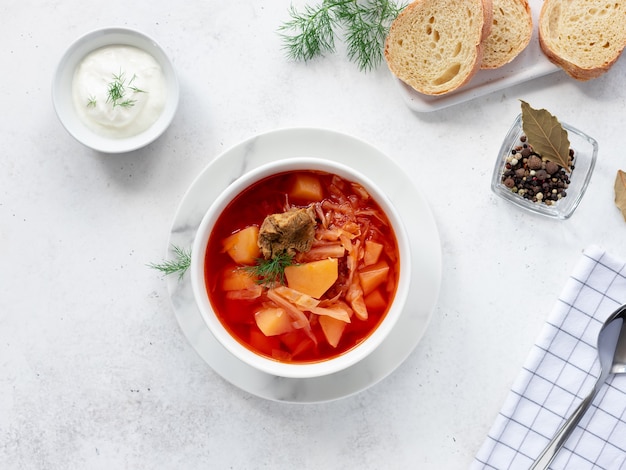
{"x": 298, "y": 370}
{"x": 62, "y": 89}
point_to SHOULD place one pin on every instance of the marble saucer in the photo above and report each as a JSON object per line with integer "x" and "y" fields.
{"x": 425, "y": 253}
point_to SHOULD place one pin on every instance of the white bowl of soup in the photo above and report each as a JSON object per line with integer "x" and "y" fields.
{"x": 115, "y": 90}
{"x": 301, "y": 267}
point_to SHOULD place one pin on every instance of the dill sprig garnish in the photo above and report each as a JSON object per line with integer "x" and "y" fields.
{"x": 117, "y": 92}
{"x": 179, "y": 264}
{"x": 270, "y": 271}
{"x": 133, "y": 87}
{"x": 365, "y": 24}
{"x": 116, "y": 89}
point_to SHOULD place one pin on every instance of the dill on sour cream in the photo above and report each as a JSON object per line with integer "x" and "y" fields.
{"x": 118, "y": 91}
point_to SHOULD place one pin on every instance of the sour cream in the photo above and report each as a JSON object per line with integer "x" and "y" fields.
{"x": 118, "y": 91}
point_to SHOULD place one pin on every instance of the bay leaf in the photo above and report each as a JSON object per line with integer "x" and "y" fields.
{"x": 620, "y": 192}
{"x": 546, "y": 135}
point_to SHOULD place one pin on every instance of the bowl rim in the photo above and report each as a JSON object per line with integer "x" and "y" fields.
{"x": 268, "y": 365}
{"x": 62, "y": 96}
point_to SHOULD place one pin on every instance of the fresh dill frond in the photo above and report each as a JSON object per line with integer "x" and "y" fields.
{"x": 270, "y": 271}
{"x": 91, "y": 101}
{"x": 180, "y": 263}
{"x": 364, "y": 23}
{"x": 366, "y": 27}
{"x": 314, "y": 31}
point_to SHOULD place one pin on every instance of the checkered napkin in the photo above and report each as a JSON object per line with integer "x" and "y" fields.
{"x": 559, "y": 372}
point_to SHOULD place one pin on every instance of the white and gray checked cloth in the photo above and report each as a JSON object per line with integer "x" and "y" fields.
{"x": 559, "y": 372}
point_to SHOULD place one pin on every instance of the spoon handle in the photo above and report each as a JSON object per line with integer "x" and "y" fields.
{"x": 548, "y": 454}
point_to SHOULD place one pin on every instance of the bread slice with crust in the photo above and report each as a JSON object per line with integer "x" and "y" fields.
{"x": 511, "y": 30}
{"x": 436, "y": 46}
{"x": 584, "y": 37}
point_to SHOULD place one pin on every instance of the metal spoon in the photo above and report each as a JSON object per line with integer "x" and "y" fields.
{"x": 612, "y": 354}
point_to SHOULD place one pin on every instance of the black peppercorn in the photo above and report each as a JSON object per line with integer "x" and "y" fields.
{"x": 533, "y": 179}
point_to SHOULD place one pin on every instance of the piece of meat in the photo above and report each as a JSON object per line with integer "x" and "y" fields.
{"x": 289, "y": 232}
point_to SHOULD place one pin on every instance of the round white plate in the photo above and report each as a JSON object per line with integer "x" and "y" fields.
{"x": 425, "y": 253}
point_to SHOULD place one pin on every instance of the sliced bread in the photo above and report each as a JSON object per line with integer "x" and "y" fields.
{"x": 436, "y": 46}
{"x": 584, "y": 37}
{"x": 511, "y": 30}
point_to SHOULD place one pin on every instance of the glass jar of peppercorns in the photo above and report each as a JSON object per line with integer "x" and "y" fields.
{"x": 537, "y": 184}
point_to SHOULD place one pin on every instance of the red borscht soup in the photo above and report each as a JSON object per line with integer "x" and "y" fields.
{"x": 302, "y": 266}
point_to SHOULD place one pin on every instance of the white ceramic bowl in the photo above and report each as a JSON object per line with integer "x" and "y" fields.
{"x": 62, "y": 89}
{"x": 300, "y": 370}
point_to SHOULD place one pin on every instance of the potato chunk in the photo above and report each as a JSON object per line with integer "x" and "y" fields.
{"x": 375, "y": 300}
{"x": 273, "y": 321}
{"x": 242, "y": 246}
{"x": 307, "y": 187}
{"x": 373, "y": 276}
{"x": 372, "y": 252}
{"x": 234, "y": 278}
{"x": 313, "y": 278}
{"x": 333, "y": 329}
